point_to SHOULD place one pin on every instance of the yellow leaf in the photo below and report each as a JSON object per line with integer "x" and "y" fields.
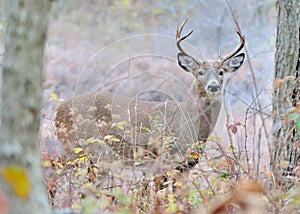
{"x": 126, "y": 3}
{"x": 214, "y": 138}
{"x": 83, "y": 159}
{"x": 70, "y": 163}
{"x": 108, "y": 137}
{"x": 115, "y": 139}
{"x": 76, "y": 206}
{"x": 145, "y": 129}
{"x": 149, "y": 116}
{"x": 54, "y": 97}
{"x": 46, "y": 163}
{"x": 78, "y": 150}
{"x": 91, "y": 140}
{"x": 94, "y": 140}
{"x": 232, "y": 148}
{"x": 81, "y": 172}
{"x": 59, "y": 165}
{"x": 17, "y": 177}
{"x": 111, "y": 138}
{"x": 120, "y": 126}
{"x": 179, "y": 184}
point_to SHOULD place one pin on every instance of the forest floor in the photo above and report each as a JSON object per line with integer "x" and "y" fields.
{"x": 87, "y": 52}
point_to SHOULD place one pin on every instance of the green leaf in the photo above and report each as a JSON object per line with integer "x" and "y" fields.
{"x": 120, "y": 126}
{"x": 224, "y": 175}
{"x": 81, "y": 172}
{"x": 89, "y": 205}
{"x": 91, "y": 140}
{"x": 293, "y": 116}
{"x": 298, "y": 124}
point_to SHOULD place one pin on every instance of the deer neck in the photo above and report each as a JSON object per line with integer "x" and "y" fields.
{"x": 211, "y": 104}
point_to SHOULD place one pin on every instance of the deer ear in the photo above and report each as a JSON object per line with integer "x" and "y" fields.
{"x": 235, "y": 62}
{"x": 186, "y": 62}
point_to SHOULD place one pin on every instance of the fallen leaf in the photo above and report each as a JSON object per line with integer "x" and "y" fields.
{"x": 277, "y": 83}
{"x": 195, "y": 155}
{"x": 284, "y": 164}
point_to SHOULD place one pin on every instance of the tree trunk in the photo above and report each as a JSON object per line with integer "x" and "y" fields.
{"x": 21, "y": 94}
{"x": 286, "y": 149}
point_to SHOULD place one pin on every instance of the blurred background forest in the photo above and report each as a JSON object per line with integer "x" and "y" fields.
{"x": 128, "y": 47}
{"x": 84, "y": 39}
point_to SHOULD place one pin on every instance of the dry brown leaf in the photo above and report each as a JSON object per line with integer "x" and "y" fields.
{"x": 284, "y": 164}
{"x": 277, "y": 83}
{"x": 239, "y": 198}
{"x": 233, "y": 129}
{"x": 159, "y": 180}
{"x": 287, "y": 78}
{"x": 223, "y": 163}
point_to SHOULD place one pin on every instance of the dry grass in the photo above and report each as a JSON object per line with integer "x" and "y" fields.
{"x": 222, "y": 181}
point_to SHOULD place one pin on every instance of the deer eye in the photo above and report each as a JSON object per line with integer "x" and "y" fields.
{"x": 221, "y": 73}
{"x": 200, "y": 73}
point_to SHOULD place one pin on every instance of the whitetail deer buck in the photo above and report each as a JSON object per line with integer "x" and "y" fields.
{"x": 135, "y": 129}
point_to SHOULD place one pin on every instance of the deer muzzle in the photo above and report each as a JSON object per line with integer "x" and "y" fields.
{"x": 213, "y": 88}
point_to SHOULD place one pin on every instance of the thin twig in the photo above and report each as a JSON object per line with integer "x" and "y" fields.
{"x": 253, "y": 80}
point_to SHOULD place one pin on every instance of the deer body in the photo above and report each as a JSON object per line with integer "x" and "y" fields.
{"x": 150, "y": 129}
{"x": 184, "y": 121}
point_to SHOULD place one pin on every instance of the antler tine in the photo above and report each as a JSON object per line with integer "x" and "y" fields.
{"x": 179, "y": 39}
{"x": 240, "y": 47}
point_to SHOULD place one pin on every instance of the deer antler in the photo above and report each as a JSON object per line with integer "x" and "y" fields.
{"x": 242, "y": 41}
{"x": 179, "y": 39}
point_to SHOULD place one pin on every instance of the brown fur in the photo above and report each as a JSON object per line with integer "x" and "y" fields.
{"x": 181, "y": 120}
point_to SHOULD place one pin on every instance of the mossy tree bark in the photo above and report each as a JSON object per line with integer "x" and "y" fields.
{"x": 286, "y": 145}
{"x": 21, "y": 94}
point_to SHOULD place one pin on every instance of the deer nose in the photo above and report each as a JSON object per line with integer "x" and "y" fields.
{"x": 213, "y": 87}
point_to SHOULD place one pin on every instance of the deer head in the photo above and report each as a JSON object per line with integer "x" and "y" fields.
{"x": 209, "y": 74}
